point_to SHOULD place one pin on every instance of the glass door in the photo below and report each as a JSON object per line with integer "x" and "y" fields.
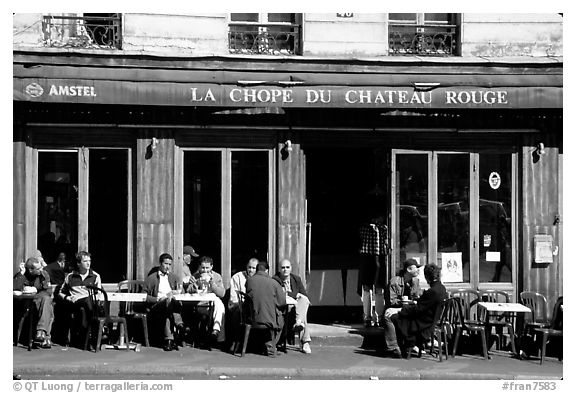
{"x": 227, "y": 211}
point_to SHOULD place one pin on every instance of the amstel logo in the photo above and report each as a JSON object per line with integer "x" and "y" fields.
{"x": 34, "y": 90}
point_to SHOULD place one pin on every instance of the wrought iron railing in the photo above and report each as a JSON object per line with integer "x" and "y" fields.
{"x": 264, "y": 39}
{"x": 83, "y": 31}
{"x": 430, "y": 40}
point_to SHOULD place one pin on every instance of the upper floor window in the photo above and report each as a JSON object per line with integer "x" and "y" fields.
{"x": 83, "y": 30}
{"x": 422, "y": 34}
{"x": 266, "y": 34}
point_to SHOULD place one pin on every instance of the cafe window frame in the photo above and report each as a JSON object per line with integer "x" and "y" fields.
{"x": 474, "y": 238}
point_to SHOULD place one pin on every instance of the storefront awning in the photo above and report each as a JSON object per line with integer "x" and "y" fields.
{"x": 446, "y": 87}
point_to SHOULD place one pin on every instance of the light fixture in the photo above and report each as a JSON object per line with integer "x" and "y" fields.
{"x": 540, "y": 149}
{"x": 288, "y": 145}
{"x": 154, "y": 143}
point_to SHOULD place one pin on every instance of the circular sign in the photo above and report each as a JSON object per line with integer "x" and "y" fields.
{"x": 34, "y": 90}
{"x": 494, "y": 180}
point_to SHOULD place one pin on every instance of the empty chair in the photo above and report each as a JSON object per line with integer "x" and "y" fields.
{"x": 247, "y": 322}
{"x": 498, "y": 322}
{"x": 555, "y": 330}
{"x": 538, "y": 306}
{"x": 468, "y": 321}
{"x": 101, "y": 317}
{"x": 127, "y": 308}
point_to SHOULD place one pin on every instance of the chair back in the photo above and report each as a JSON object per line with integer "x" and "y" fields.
{"x": 98, "y": 301}
{"x": 129, "y": 286}
{"x": 557, "y": 317}
{"x": 469, "y": 299}
{"x": 449, "y": 315}
{"x": 493, "y": 296}
{"x": 246, "y": 309}
{"x": 538, "y": 304}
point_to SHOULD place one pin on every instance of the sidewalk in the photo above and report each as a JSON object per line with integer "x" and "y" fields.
{"x": 337, "y": 354}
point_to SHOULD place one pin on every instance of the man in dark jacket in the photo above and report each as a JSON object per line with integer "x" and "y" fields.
{"x": 160, "y": 288}
{"x": 416, "y": 320}
{"x": 294, "y": 288}
{"x": 268, "y": 300}
{"x": 36, "y": 282}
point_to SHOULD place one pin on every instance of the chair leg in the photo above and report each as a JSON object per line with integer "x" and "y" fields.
{"x": 484, "y": 346}
{"x": 245, "y": 343}
{"x": 512, "y": 344}
{"x": 99, "y": 336}
{"x": 543, "y": 350}
{"x": 144, "y": 320}
{"x": 456, "y": 339}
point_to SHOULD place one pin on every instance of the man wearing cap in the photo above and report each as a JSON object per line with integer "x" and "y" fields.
{"x": 187, "y": 254}
{"x": 416, "y": 318}
{"x": 35, "y": 281}
{"x": 403, "y": 287}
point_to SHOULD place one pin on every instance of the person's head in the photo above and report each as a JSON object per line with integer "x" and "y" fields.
{"x": 188, "y": 253}
{"x": 262, "y": 266}
{"x": 285, "y": 268}
{"x": 33, "y": 266}
{"x": 83, "y": 261}
{"x": 61, "y": 257}
{"x": 432, "y": 273}
{"x": 206, "y": 265}
{"x": 411, "y": 267}
{"x": 251, "y": 267}
{"x": 165, "y": 261}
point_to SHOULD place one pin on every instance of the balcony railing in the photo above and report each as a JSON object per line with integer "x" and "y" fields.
{"x": 427, "y": 40}
{"x": 264, "y": 39}
{"x": 101, "y": 32}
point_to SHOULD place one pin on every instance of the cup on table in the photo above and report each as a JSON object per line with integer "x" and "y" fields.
{"x": 405, "y": 298}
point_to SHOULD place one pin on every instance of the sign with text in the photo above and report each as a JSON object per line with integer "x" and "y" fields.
{"x": 171, "y": 93}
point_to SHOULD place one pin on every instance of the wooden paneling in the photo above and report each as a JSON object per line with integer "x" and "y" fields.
{"x": 291, "y": 209}
{"x": 154, "y": 200}
{"x": 19, "y": 204}
{"x": 540, "y": 205}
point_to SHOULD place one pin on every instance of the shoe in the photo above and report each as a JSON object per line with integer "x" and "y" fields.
{"x": 306, "y": 348}
{"x": 214, "y": 335}
{"x": 168, "y": 345}
{"x": 181, "y": 333}
{"x": 175, "y": 345}
{"x": 46, "y": 344}
{"x": 40, "y": 337}
{"x": 395, "y": 353}
{"x": 298, "y": 326}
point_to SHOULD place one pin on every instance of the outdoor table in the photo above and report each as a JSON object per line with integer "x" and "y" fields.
{"x": 26, "y": 302}
{"x": 493, "y": 308}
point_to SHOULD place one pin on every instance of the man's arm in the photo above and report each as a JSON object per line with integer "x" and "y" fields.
{"x": 217, "y": 285}
{"x": 300, "y": 286}
{"x": 280, "y": 296}
{"x": 395, "y": 290}
{"x": 234, "y": 287}
{"x": 19, "y": 281}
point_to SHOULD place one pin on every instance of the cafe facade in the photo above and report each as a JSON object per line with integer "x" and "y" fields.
{"x": 131, "y": 155}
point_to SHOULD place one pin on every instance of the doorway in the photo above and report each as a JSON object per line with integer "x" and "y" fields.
{"x": 227, "y": 200}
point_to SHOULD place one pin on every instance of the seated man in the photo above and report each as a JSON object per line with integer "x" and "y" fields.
{"x": 294, "y": 288}
{"x": 416, "y": 320}
{"x": 208, "y": 281}
{"x": 405, "y": 285}
{"x": 36, "y": 281}
{"x": 238, "y": 283}
{"x": 160, "y": 287}
{"x": 188, "y": 254}
{"x": 73, "y": 293}
{"x": 58, "y": 270}
{"x": 268, "y": 300}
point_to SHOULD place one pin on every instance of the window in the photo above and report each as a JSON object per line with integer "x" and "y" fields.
{"x": 422, "y": 34}
{"x": 267, "y": 34}
{"x": 83, "y": 30}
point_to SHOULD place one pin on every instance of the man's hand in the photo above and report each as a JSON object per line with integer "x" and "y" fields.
{"x": 22, "y": 268}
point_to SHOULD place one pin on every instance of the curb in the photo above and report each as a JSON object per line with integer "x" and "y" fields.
{"x": 189, "y": 372}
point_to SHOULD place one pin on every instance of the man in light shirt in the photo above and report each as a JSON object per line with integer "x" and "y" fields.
{"x": 162, "y": 308}
{"x": 238, "y": 282}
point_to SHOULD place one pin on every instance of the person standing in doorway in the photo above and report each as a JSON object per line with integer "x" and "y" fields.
{"x": 372, "y": 275}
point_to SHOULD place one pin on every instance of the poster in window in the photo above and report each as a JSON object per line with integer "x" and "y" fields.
{"x": 451, "y": 266}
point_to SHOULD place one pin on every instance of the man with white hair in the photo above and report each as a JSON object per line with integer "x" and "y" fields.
{"x": 36, "y": 281}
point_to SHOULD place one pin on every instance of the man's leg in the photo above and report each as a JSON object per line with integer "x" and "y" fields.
{"x": 218, "y": 315}
{"x": 379, "y": 303}
{"x": 390, "y": 329}
{"x": 43, "y": 304}
{"x": 367, "y": 305}
{"x": 160, "y": 313}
